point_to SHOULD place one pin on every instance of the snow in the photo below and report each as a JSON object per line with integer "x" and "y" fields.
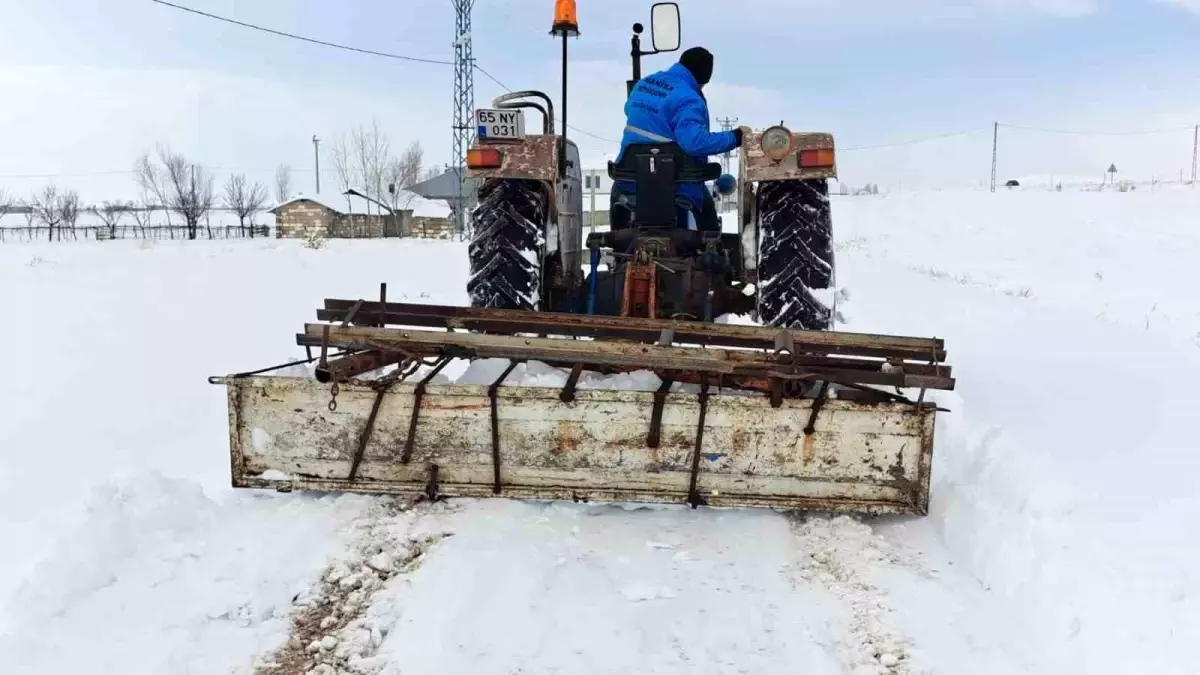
{"x": 1061, "y": 536}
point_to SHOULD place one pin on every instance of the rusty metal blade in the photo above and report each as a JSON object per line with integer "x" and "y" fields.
{"x": 866, "y": 458}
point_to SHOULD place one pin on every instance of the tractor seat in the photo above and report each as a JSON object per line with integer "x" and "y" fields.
{"x": 682, "y": 168}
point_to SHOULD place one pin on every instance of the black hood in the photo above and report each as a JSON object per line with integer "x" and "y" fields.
{"x": 699, "y": 61}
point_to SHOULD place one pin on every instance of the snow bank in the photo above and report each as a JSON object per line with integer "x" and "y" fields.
{"x": 1064, "y": 475}
{"x": 111, "y": 384}
{"x": 159, "y": 578}
{"x": 1126, "y": 258}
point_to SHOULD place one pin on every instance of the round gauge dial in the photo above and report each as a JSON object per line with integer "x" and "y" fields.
{"x": 776, "y": 142}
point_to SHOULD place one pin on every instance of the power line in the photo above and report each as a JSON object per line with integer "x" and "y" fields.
{"x": 914, "y": 141}
{"x": 355, "y": 49}
{"x": 1096, "y": 133}
{"x": 65, "y": 175}
{"x": 301, "y": 37}
{"x": 505, "y": 87}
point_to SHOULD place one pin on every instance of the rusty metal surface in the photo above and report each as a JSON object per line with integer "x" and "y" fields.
{"x": 723, "y": 335}
{"x": 756, "y": 166}
{"x": 862, "y": 458}
{"x": 607, "y": 353}
{"x": 534, "y": 158}
{"x": 353, "y": 365}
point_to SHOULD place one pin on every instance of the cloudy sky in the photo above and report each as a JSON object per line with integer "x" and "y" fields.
{"x": 86, "y": 86}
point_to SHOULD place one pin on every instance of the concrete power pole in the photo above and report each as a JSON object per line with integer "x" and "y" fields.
{"x": 1195, "y": 151}
{"x": 593, "y": 183}
{"x": 995, "y": 146}
{"x": 727, "y": 124}
{"x": 317, "y": 162}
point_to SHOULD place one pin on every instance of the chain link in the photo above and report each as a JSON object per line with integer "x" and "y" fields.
{"x": 333, "y": 392}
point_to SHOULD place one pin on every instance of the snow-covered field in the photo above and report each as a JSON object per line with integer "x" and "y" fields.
{"x": 1061, "y": 539}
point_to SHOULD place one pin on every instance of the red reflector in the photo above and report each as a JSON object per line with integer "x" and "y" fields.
{"x": 483, "y": 158}
{"x": 818, "y": 158}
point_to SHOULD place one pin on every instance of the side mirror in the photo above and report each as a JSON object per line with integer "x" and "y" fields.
{"x": 665, "y": 28}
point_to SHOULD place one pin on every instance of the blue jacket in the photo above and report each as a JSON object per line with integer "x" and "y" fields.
{"x": 669, "y": 104}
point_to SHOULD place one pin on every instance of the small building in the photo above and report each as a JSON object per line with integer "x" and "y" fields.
{"x": 325, "y": 216}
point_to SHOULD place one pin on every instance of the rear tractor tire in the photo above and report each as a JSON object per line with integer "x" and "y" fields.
{"x": 506, "y": 247}
{"x": 795, "y": 254}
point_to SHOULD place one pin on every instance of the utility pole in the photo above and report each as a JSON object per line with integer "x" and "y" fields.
{"x": 727, "y": 124}
{"x": 995, "y": 146}
{"x": 317, "y": 162}
{"x": 464, "y": 109}
{"x": 1195, "y": 150}
{"x": 593, "y": 183}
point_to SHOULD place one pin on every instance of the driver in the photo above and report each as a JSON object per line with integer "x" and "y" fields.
{"x": 670, "y": 106}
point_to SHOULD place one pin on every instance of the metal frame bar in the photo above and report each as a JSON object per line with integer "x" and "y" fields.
{"x": 418, "y": 394}
{"x": 568, "y": 391}
{"x": 654, "y": 437}
{"x": 619, "y": 354}
{"x": 694, "y": 498}
{"x": 925, "y": 350}
{"x": 493, "y": 390}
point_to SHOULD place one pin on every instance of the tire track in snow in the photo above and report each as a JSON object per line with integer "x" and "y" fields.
{"x": 331, "y": 633}
{"x": 837, "y": 554}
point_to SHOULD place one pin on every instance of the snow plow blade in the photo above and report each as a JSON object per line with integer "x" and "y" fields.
{"x": 858, "y": 457}
{"x": 746, "y": 416}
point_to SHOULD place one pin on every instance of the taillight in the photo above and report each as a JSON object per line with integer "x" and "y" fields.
{"x": 818, "y": 158}
{"x": 483, "y": 158}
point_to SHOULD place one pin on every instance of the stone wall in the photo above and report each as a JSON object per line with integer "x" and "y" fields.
{"x": 302, "y": 218}
{"x": 430, "y": 228}
{"x": 361, "y": 226}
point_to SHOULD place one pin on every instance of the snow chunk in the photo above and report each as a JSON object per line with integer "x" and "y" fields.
{"x": 642, "y": 592}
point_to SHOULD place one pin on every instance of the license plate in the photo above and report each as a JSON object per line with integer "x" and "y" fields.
{"x": 499, "y": 125}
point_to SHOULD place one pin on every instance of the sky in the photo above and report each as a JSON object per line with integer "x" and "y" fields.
{"x": 86, "y": 87}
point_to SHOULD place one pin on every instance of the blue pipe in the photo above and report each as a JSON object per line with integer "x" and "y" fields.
{"x": 591, "y": 304}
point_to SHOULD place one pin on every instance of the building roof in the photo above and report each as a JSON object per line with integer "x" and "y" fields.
{"x": 444, "y": 186}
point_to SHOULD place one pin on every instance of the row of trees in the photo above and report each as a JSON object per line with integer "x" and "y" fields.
{"x": 186, "y": 189}
{"x": 57, "y": 211}
{"x": 168, "y": 181}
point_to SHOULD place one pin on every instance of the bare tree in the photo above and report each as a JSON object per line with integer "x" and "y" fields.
{"x": 7, "y": 202}
{"x": 31, "y": 215}
{"x": 110, "y": 213}
{"x": 181, "y": 186}
{"x": 340, "y": 152}
{"x": 372, "y": 154}
{"x": 151, "y": 183}
{"x": 142, "y": 210}
{"x": 363, "y": 160}
{"x": 403, "y": 173}
{"x": 244, "y": 200}
{"x": 45, "y": 208}
{"x": 283, "y": 183}
{"x": 68, "y": 211}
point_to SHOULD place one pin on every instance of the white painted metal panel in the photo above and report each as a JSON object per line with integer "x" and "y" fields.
{"x": 860, "y": 457}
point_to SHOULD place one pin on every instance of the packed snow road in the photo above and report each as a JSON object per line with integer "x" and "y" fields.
{"x": 1060, "y": 539}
